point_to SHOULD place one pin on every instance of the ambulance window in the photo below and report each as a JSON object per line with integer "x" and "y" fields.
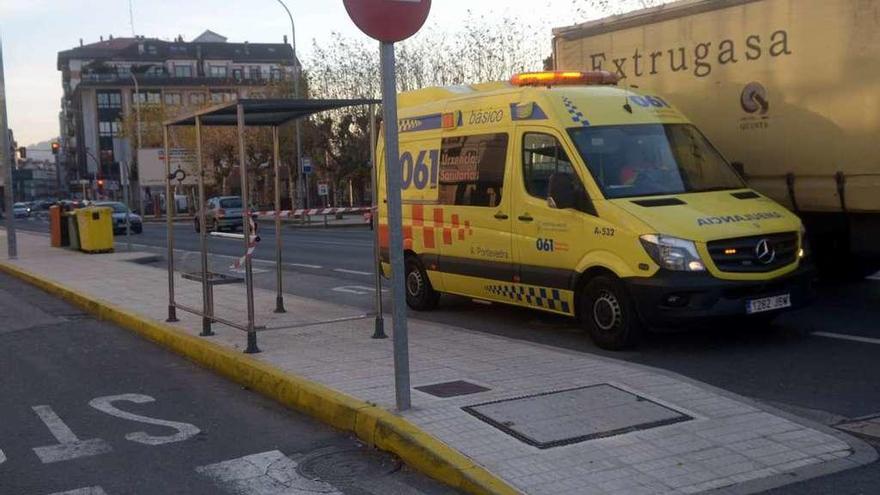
{"x": 543, "y": 156}
{"x": 472, "y": 170}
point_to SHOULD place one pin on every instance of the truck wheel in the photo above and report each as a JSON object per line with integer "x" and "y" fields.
{"x": 609, "y": 315}
{"x": 420, "y": 295}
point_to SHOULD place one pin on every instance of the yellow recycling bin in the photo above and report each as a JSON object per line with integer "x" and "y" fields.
{"x": 95, "y": 229}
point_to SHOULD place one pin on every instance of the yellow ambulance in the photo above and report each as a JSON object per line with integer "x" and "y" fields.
{"x": 562, "y": 192}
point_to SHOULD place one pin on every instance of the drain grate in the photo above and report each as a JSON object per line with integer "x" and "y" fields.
{"x": 452, "y": 389}
{"x": 345, "y": 467}
{"x": 565, "y": 417}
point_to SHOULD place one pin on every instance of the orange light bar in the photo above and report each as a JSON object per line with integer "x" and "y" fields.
{"x": 730, "y": 251}
{"x": 565, "y": 78}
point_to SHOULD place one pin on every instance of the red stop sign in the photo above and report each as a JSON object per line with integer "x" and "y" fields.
{"x": 388, "y": 20}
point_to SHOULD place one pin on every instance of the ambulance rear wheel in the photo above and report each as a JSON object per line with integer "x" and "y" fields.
{"x": 608, "y": 314}
{"x": 420, "y": 295}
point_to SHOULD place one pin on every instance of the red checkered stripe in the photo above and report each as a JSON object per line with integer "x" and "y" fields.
{"x": 432, "y": 230}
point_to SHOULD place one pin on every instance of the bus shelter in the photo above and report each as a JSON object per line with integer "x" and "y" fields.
{"x": 272, "y": 113}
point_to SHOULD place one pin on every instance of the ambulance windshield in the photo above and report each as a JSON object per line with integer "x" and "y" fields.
{"x": 653, "y": 159}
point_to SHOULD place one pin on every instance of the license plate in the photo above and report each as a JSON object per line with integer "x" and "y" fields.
{"x": 768, "y": 304}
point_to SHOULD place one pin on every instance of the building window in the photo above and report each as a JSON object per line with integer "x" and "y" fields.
{"x": 183, "y": 71}
{"x": 147, "y": 97}
{"x": 237, "y": 74}
{"x": 277, "y": 75}
{"x": 218, "y": 71}
{"x": 223, "y": 96}
{"x": 109, "y": 99}
{"x": 151, "y": 49}
{"x": 110, "y": 129}
{"x": 197, "y": 98}
{"x": 255, "y": 72}
{"x": 471, "y": 170}
{"x": 173, "y": 99}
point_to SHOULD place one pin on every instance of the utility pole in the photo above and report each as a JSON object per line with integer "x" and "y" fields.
{"x": 6, "y": 159}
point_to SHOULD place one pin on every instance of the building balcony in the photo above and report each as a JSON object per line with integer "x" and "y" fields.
{"x": 153, "y": 80}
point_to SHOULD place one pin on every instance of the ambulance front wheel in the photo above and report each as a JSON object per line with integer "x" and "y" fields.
{"x": 420, "y": 295}
{"x": 609, "y": 314}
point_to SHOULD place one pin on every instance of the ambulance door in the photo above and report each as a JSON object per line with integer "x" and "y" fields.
{"x": 547, "y": 237}
{"x": 473, "y": 217}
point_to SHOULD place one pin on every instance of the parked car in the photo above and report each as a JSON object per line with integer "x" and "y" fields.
{"x": 221, "y": 213}
{"x": 21, "y": 210}
{"x": 119, "y": 211}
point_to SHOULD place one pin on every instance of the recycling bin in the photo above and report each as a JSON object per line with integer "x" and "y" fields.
{"x": 95, "y": 226}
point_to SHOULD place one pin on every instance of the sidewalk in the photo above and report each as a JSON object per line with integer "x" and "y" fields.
{"x": 581, "y": 424}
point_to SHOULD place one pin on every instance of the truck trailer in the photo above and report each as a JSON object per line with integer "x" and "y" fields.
{"x": 789, "y": 90}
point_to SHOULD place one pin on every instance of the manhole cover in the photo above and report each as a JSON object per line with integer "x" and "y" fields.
{"x": 343, "y": 467}
{"x": 570, "y": 416}
{"x": 452, "y": 389}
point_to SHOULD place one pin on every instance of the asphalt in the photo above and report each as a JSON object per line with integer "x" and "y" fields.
{"x": 89, "y": 406}
{"x": 804, "y": 364}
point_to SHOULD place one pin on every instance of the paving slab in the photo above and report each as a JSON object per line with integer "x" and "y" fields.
{"x": 638, "y": 430}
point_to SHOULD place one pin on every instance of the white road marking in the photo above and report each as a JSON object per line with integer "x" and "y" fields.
{"x": 853, "y": 338}
{"x": 267, "y": 473}
{"x": 875, "y": 276}
{"x": 359, "y": 290}
{"x": 242, "y": 270}
{"x": 302, "y": 265}
{"x": 69, "y": 446}
{"x": 105, "y": 405}
{"x": 92, "y": 490}
{"x": 351, "y": 272}
{"x": 2, "y": 457}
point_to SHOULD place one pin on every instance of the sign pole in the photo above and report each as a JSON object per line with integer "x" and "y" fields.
{"x": 379, "y": 329}
{"x": 6, "y": 161}
{"x": 395, "y": 224}
{"x": 123, "y": 176}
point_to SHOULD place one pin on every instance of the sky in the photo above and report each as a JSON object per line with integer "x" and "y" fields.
{"x": 34, "y": 31}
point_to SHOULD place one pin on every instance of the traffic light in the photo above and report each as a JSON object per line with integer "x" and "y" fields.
{"x": 55, "y": 147}
{"x": 22, "y": 153}
{"x": 101, "y": 186}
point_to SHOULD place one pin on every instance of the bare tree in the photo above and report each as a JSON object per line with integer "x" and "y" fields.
{"x": 589, "y": 8}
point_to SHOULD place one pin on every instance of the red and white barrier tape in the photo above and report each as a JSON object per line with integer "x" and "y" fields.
{"x": 252, "y": 246}
{"x": 313, "y": 211}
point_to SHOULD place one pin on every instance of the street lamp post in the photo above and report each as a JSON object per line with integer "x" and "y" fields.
{"x": 302, "y": 188}
{"x": 6, "y": 162}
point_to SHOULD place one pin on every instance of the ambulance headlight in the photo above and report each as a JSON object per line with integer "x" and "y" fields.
{"x": 673, "y": 253}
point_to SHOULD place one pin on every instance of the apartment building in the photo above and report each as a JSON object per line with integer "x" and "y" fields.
{"x": 103, "y": 80}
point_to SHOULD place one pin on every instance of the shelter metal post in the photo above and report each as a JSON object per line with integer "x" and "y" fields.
{"x": 279, "y": 294}
{"x": 395, "y": 227}
{"x": 246, "y": 228}
{"x": 379, "y": 328}
{"x": 207, "y": 297}
{"x": 170, "y": 205}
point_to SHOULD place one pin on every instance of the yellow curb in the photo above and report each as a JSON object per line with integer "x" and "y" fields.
{"x": 372, "y": 424}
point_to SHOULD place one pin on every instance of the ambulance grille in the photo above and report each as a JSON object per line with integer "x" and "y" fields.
{"x": 740, "y": 255}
